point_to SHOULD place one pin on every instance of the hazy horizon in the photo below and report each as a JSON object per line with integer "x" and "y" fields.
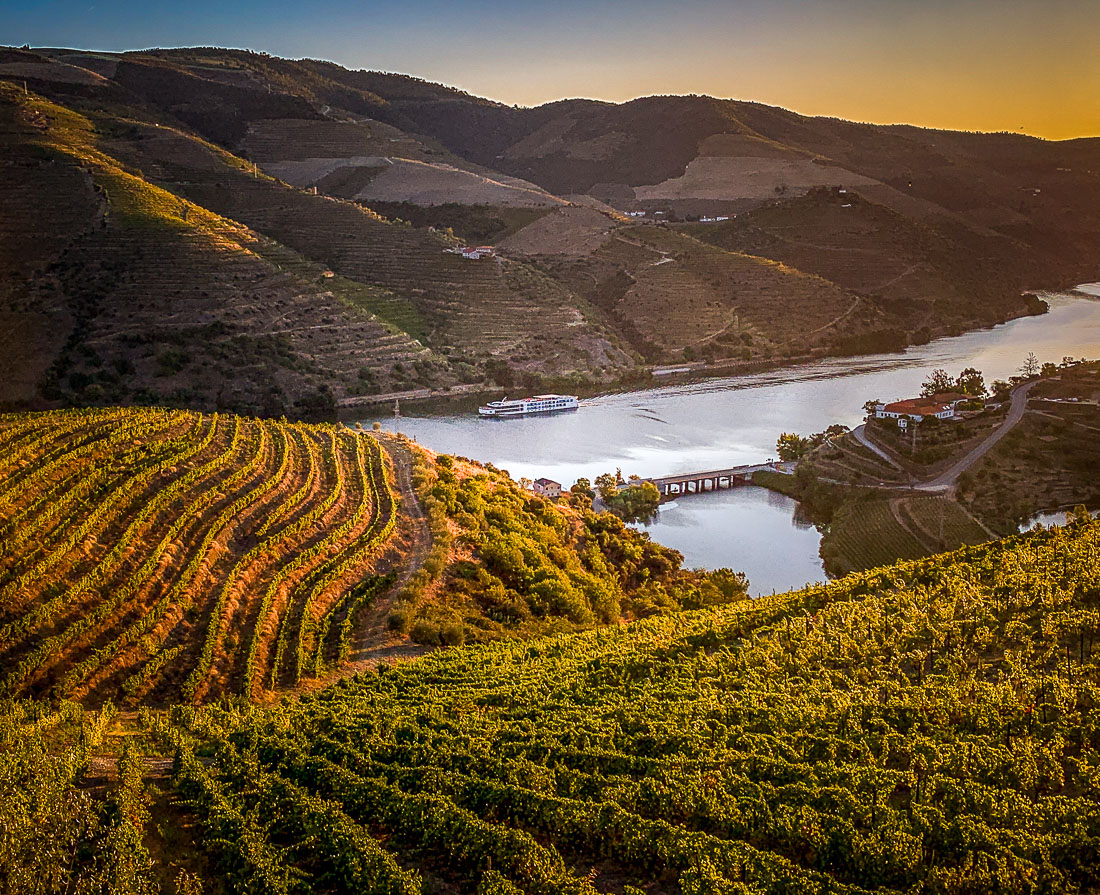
{"x": 1021, "y": 66}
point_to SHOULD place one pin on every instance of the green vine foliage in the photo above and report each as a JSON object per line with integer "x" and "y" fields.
{"x": 925, "y": 727}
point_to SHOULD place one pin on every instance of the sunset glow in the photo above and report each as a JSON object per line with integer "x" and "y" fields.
{"x": 1026, "y": 66}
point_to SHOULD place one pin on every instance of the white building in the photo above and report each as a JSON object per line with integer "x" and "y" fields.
{"x": 547, "y": 488}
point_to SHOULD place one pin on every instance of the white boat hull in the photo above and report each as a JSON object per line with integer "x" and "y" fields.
{"x": 538, "y": 406}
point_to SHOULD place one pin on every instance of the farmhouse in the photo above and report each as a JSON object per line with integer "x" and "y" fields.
{"x": 547, "y": 488}
{"x": 476, "y": 253}
{"x": 941, "y": 407}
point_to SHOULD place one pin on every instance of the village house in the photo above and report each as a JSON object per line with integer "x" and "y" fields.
{"x": 941, "y": 407}
{"x": 476, "y": 253}
{"x": 547, "y": 488}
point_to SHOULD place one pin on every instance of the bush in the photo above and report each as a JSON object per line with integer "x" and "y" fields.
{"x": 452, "y": 633}
{"x": 425, "y": 633}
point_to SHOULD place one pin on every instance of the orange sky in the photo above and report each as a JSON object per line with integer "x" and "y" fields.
{"x": 1016, "y": 65}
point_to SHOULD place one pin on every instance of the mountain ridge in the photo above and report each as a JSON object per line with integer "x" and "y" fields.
{"x": 296, "y": 152}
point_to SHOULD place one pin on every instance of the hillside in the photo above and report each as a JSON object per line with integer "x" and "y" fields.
{"x": 219, "y": 229}
{"x": 176, "y": 273}
{"x": 1051, "y": 461}
{"x": 925, "y": 726}
{"x": 923, "y": 275}
{"x": 163, "y": 555}
{"x": 153, "y": 556}
{"x": 139, "y": 295}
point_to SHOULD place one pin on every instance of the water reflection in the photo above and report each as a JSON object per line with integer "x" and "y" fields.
{"x": 1049, "y": 519}
{"x": 717, "y": 423}
{"x": 750, "y": 529}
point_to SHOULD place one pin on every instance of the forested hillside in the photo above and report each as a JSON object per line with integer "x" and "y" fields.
{"x": 929, "y": 726}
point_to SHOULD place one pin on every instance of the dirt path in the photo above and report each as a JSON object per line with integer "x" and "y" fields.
{"x": 918, "y": 534}
{"x": 375, "y": 642}
{"x": 860, "y": 435}
{"x": 855, "y": 304}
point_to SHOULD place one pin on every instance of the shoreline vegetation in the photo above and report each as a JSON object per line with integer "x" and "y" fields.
{"x": 886, "y": 495}
{"x": 649, "y": 377}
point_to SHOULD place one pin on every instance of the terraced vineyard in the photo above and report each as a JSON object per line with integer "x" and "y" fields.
{"x": 151, "y": 555}
{"x": 926, "y": 727}
{"x": 865, "y": 533}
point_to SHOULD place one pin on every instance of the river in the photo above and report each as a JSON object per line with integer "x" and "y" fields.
{"x": 716, "y": 423}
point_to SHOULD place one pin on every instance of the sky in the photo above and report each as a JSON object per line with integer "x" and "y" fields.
{"x": 1030, "y": 66}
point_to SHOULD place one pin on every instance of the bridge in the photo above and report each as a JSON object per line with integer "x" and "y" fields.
{"x": 714, "y": 480}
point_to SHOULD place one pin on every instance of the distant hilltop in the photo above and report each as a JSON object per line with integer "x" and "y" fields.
{"x": 213, "y": 228}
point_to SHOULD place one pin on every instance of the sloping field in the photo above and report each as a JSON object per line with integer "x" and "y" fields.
{"x": 865, "y": 534}
{"x": 730, "y": 177}
{"x": 719, "y": 295}
{"x": 873, "y": 532}
{"x": 115, "y": 289}
{"x": 928, "y": 273}
{"x": 928, "y": 726}
{"x": 280, "y": 140}
{"x": 365, "y": 159}
{"x": 477, "y": 307}
{"x": 153, "y": 555}
{"x": 572, "y": 232}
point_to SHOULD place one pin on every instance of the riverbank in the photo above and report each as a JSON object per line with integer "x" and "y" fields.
{"x": 721, "y": 422}
{"x": 653, "y": 376}
{"x": 979, "y": 479}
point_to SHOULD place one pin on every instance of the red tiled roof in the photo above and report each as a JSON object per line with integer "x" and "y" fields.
{"x": 916, "y": 406}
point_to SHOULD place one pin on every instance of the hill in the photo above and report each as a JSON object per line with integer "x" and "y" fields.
{"x": 220, "y": 229}
{"x": 153, "y": 556}
{"x": 158, "y": 555}
{"x": 169, "y": 270}
{"x": 928, "y": 725}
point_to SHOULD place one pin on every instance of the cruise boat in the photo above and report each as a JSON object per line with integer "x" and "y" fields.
{"x": 529, "y": 406}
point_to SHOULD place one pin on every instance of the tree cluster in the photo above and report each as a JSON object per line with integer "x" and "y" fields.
{"x": 969, "y": 382}
{"x": 791, "y": 447}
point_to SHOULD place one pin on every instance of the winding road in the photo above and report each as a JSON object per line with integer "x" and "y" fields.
{"x": 946, "y": 480}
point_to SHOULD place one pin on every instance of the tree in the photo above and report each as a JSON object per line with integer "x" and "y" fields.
{"x": 732, "y": 585}
{"x": 1030, "y": 366}
{"x": 971, "y": 382}
{"x": 791, "y": 446}
{"x": 938, "y": 382}
{"x": 583, "y": 486}
{"x": 1048, "y": 369}
{"x": 636, "y": 503}
{"x": 869, "y": 407}
{"x": 608, "y": 486}
{"x": 1001, "y": 389}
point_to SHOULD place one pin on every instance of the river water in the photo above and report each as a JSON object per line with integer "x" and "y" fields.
{"x": 716, "y": 423}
